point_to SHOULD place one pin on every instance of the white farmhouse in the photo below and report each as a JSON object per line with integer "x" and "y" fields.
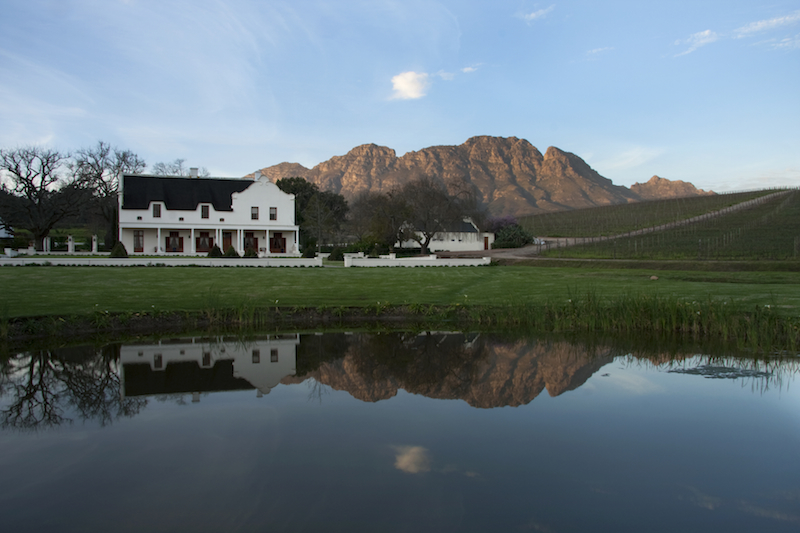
{"x": 462, "y": 236}
{"x": 180, "y": 215}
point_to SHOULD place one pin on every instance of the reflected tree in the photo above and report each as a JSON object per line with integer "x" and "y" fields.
{"x": 45, "y": 385}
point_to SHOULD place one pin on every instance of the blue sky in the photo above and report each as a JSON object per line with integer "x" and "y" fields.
{"x": 701, "y": 91}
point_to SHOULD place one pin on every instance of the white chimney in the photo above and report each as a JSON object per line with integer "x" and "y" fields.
{"x": 257, "y": 175}
{"x": 193, "y": 172}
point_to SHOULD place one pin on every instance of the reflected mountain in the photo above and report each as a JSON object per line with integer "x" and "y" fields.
{"x": 483, "y": 372}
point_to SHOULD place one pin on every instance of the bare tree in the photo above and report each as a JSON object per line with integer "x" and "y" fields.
{"x": 36, "y": 194}
{"x": 177, "y": 168}
{"x": 98, "y": 168}
{"x": 430, "y": 210}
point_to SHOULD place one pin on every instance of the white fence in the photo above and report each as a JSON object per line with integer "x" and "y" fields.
{"x": 425, "y": 261}
{"x": 164, "y": 261}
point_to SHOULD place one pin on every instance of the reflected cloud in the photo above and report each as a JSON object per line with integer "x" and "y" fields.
{"x": 768, "y": 513}
{"x": 703, "y": 500}
{"x": 412, "y": 459}
{"x": 634, "y": 384}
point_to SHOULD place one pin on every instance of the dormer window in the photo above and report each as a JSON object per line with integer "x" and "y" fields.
{"x": 156, "y": 210}
{"x": 273, "y": 213}
{"x": 254, "y": 213}
{"x": 203, "y": 211}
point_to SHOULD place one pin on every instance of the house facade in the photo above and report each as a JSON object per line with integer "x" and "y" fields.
{"x": 180, "y": 215}
{"x": 462, "y": 236}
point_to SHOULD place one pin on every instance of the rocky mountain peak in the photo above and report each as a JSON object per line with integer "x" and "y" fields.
{"x": 511, "y": 176}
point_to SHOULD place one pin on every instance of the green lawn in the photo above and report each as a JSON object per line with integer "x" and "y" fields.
{"x": 32, "y": 291}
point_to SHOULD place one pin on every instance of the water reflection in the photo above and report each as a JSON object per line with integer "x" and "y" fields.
{"x": 203, "y": 365}
{"x": 634, "y": 441}
{"x": 42, "y": 386}
{"x": 39, "y": 388}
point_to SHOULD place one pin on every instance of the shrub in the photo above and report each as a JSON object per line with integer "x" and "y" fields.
{"x": 495, "y": 224}
{"x": 337, "y": 254}
{"x": 119, "y": 250}
{"x": 231, "y": 252}
{"x": 512, "y": 237}
{"x": 250, "y": 252}
{"x": 215, "y": 252}
{"x": 309, "y": 251}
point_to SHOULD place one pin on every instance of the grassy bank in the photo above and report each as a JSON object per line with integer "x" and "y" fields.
{"x": 754, "y": 310}
{"x": 653, "y": 319}
{"x": 63, "y": 291}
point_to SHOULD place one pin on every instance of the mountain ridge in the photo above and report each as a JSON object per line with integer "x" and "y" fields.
{"x": 509, "y": 175}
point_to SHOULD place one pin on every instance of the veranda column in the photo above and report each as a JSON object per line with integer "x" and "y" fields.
{"x": 158, "y": 240}
{"x": 193, "y": 247}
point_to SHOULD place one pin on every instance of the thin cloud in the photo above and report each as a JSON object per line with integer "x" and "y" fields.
{"x": 788, "y": 43}
{"x": 768, "y": 24}
{"x": 410, "y": 85}
{"x": 530, "y": 17}
{"x": 594, "y": 54}
{"x": 447, "y": 76}
{"x": 697, "y": 40}
{"x": 631, "y": 158}
{"x": 467, "y": 70}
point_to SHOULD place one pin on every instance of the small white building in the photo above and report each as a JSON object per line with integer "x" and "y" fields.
{"x": 180, "y": 215}
{"x": 459, "y": 237}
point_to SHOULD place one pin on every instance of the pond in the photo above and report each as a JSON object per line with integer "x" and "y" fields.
{"x": 396, "y": 432}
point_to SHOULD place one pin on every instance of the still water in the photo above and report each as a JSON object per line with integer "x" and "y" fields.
{"x": 396, "y": 432}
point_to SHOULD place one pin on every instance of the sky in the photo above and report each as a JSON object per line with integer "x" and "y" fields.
{"x": 701, "y": 91}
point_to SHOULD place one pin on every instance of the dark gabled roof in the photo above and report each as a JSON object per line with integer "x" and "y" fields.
{"x": 182, "y": 377}
{"x": 178, "y": 193}
{"x": 462, "y": 226}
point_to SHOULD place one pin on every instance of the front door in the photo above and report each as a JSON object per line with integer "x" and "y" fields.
{"x": 227, "y": 240}
{"x": 486, "y": 243}
{"x": 277, "y": 244}
{"x": 250, "y": 241}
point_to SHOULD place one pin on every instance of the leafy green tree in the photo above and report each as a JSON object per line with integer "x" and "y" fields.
{"x": 320, "y": 214}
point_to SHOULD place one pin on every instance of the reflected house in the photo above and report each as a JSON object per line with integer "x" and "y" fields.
{"x": 197, "y": 365}
{"x": 188, "y": 215}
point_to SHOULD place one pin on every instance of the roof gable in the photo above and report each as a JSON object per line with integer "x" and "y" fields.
{"x": 180, "y": 193}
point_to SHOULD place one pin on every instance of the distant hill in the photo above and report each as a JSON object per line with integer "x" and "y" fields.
{"x": 660, "y": 188}
{"x": 508, "y": 174}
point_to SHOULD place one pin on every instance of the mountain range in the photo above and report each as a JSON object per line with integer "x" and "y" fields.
{"x": 509, "y": 176}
